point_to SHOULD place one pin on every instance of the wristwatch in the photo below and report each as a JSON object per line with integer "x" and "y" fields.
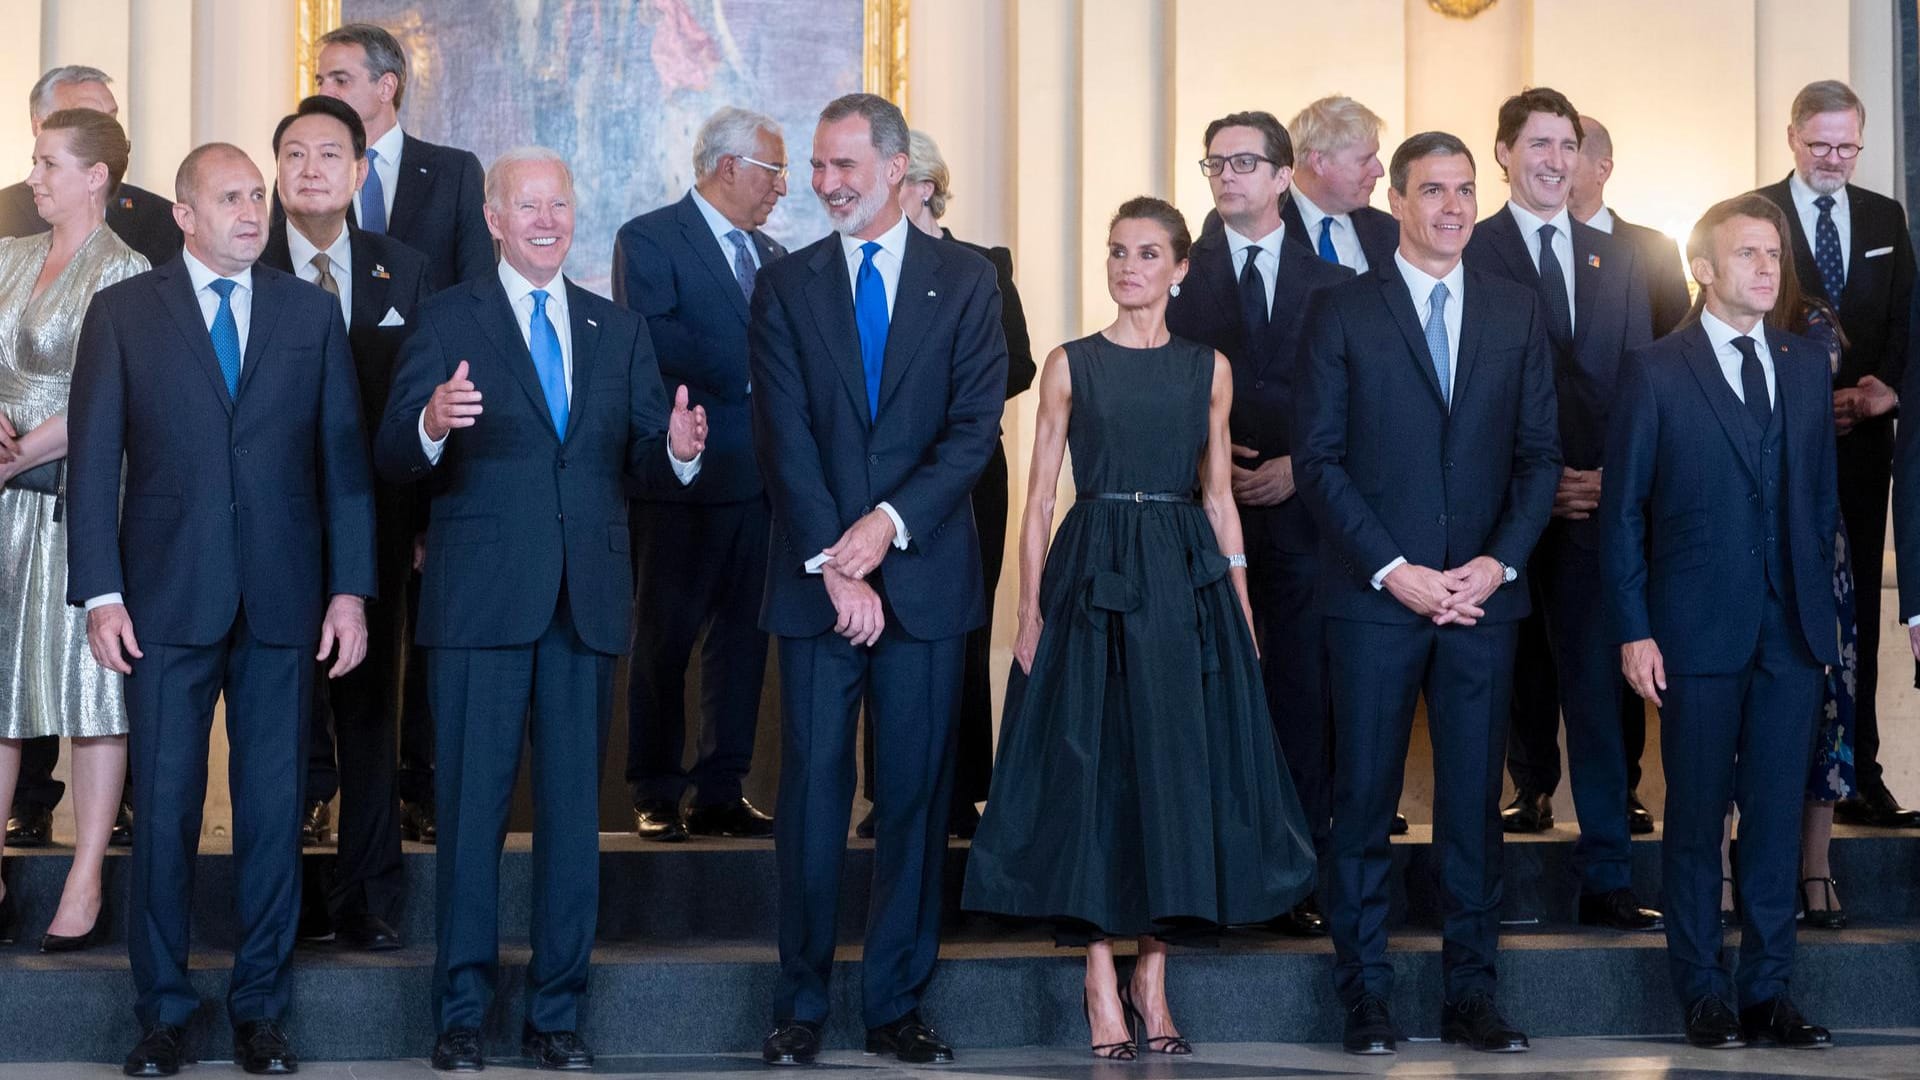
{"x": 1507, "y": 573}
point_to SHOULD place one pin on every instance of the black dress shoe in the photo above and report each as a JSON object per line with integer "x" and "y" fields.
{"x": 417, "y": 823}
{"x": 909, "y": 1040}
{"x": 738, "y": 818}
{"x": 260, "y": 1047}
{"x": 1780, "y": 1022}
{"x": 457, "y": 1050}
{"x": 1529, "y": 812}
{"x": 31, "y": 827}
{"x": 792, "y": 1042}
{"x": 1477, "y": 1022}
{"x": 122, "y": 835}
{"x": 1618, "y": 910}
{"x": 9, "y": 919}
{"x": 563, "y": 1050}
{"x": 368, "y": 932}
{"x": 1400, "y": 826}
{"x": 864, "y": 830}
{"x": 1712, "y": 1026}
{"x": 316, "y": 828}
{"x": 1304, "y": 920}
{"x": 1876, "y": 808}
{"x": 1831, "y": 917}
{"x": 963, "y": 822}
{"x": 1639, "y": 818}
{"x": 158, "y": 1053}
{"x": 659, "y": 820}
{"x": 1369, "y": 1027}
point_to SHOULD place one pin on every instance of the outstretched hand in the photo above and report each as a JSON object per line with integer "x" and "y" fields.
{"x": 455, "y": 404}
{"x": 686, "y": 428}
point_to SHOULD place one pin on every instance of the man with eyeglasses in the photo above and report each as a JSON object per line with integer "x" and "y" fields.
{"x": 1851, "y": 249}
{"x": 700, "y": 551}
{"x": 1246, "y": 295}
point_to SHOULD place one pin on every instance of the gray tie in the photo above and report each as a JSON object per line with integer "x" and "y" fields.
{"x": 743, "y": 269}
{"x": 1437, "y": 338}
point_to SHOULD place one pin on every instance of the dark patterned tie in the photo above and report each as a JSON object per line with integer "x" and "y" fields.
{"x": 1753, "y": 382}
{"x": 1253, "y": 294}
{"x": 1826, "y": 250}
{"x": 743, "y": 268}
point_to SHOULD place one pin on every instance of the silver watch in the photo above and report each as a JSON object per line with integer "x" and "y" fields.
{"x": 1507, "y": 573}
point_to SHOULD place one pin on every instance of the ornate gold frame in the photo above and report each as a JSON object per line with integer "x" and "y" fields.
{"x": 311, "y": 18}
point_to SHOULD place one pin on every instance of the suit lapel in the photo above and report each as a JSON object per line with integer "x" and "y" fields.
{"x": 830, "y": 301}
{"x": 1296, "y": 226}
{"x": 495, "y": 314}
{"x": 369, "y": 289}
{"x": 1393, "y": 289}
{"x": 913, "y": 309}
{"x": 1810, "y": 280}
{"x": 1858, "y": 243}
{"x": 412, "y": 180}
{"x": 264, "y": 319}
{"x": 1504, "y": 234}
{"x": 1214, "y": 263}
{"x": 1588, "y": 268}
{"x": 1289, "y": 292}
{"x": 1475, "y": 310}
{"x": 176, "y": 293}
{"x": 278, "y": 253}
{"x": 694, "y": 230}
{"x": 1726, "y": 407}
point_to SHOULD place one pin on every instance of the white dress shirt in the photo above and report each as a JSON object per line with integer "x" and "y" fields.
{"x": 1803, "y": 197}
{"x": 1346, "y": 242}
{"x": 1602, "y": 220}
{"x": 339, "y": 253}
{"x": 1420, "y": 285}
{"x": 718, "y": 222}
{"x": 387, "y": 164}
{"x": 1266, "y": 253}
{"x": 1562, "y": 223}
{"x": 1721, "y": 337}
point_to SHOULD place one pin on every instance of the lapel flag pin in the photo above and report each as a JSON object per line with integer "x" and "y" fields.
{"x": 593, "y": 324}
{"x": 1593, "y": 261}
{"x": 380, "y": 272}
{"x": 126, "y": 203}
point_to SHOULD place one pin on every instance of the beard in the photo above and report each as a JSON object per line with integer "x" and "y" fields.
{"x": 1825, "y": 182}
{"x": 859, "y": 214}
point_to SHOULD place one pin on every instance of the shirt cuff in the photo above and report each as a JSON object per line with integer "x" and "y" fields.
{"x": 1915, "y": 621}
{"x": 901, "y": 538}
{"x": 685, "y": 471}
{"x": 814, "y": 564}
{"x": 1380, "y": 579}
{"x": 431, "y": 447}
{"x": 104, "y": 599}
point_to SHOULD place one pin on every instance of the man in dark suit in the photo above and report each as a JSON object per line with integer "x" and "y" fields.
{"x": 145, "y": 222}
{"x": 1337, "y": 143}
{"x": 377, "y": 283}
{"x": 1851, "y": 249}
{"x": 528, "y": 594}
{"x": 1595, "y": 300}
{"x": 1425, "y": 446}
{"x": 700, "y": 554}
{"x": 1719, "y": 517}
{"x": 1245, "y": 294}
{"x": 879, "y": 365}
{"x": 1659, "y": 256}
{"x": 227, "y": 389}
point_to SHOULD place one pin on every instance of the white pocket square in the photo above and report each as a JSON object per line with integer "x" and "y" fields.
{"x": 393, "y": 318}
{"x": 1877, "y": 252}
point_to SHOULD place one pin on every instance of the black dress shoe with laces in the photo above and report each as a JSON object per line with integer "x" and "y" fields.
{"x": 1477, "y": 1022}
{"x": 1876, "y": 808}
{"x": 417, "y": 822}
{"x": 30, "y": 827}
{"x": 792, "y": 1042}
{"x": 1529, "y": 812}
{"x": 739, "y": 819}
{"x": 963, "y": 821}
{"x": 457, "y": 1050}
{"x": 1303, "y": 921}
{"x": 367, "y": 932}
{"x": 659, "y": 820}
{"x": 909, "y": 1040}
{"x": 1639, "y": 818}
{"x": 316, "y": 826}
{"x": 1618, "y": 910}
{"x": 1712, "y": 1026}
{"x": 1400, "y": 826}
{"x": 1369, "y": 1027}
{"x": 563, "y": 1050}
{"x": 261, "y": 1048}
{"x": 1779, "y": 1022}
{"x": 158, "y": 1053}
{"x": 122, "y": 835}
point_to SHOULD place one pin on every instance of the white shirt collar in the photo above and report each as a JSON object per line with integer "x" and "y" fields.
{"x": 1721, "y": 336}
{"x": 201, "y": 275}
{"x": 518, "y": 288}
{"x": 715, "y": 220}
{"x": 1269, "y": 243}
{"x": 388, "y": 145}
{"x": 1603, "y": 220}
{"x": 1420, "y": 283}
{"x": 893, "y": 241}
{"x": 1530, "y": 222}
{"x": 302, "y": 251}
{"x": 1310, "y": 212}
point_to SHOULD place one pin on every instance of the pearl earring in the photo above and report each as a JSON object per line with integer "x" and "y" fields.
{"x": 1174, "y": 289}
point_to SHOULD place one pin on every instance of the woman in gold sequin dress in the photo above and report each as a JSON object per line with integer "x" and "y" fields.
{"x": 49, "y": 682}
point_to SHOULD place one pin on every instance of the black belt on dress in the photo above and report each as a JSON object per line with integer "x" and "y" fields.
{"x": 1139, "y": 496}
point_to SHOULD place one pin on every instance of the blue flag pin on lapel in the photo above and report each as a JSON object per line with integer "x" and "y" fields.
{"x": 1593, "y": 261}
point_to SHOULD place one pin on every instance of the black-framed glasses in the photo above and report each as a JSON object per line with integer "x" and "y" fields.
{"x": 779, "y": 171}
{"x": 1846, "y": 150}
{"x": 1214, "y": 164}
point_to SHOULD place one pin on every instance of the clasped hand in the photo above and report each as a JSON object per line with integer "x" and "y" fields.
{"x": 1452, "y": 596}
{"x": 1578, "y": 494}
{"x": 857, "y": 607}
{"x": 1269, "y": 483}
{"x": 860, "y": 549}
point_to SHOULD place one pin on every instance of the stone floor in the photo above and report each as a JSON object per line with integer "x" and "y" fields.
{"x": 1872, "y": 1055}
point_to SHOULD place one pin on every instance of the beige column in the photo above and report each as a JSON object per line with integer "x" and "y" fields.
{"x": 1445, "y": 91}
{"x": 1125, "y": 146}
{"x": 19, "y": 67}
{"x": 242, "y": 71}
{"x": 158, "y": 94}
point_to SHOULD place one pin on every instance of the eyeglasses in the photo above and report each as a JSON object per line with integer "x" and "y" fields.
{"x": 1846, "y": 150}
{"x": 779, "y": 171}
{"x": 1214, "y": 165}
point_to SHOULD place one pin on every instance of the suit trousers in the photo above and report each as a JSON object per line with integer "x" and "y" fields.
{"x": 1533, "y": 741}
{"x": 910, "y": 689}
{"x": 554, "y": 694}
{"x": 170, "y": 703}
{"x": 1377, "y": 671}
{"x": 1866, "y": 475}
{"x": 698, "y": 566}
{"x": 1746, "y": 737}
{"x": 415, "y": 778}
{"x": 1293, "y": 664}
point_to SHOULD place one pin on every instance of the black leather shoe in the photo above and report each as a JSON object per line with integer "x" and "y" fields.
{"x": 316, "y": 827}
{"x": 31, "y": 827}
{"x": 563, "y": 1050}
{"x": 1830, "y": 917}
{"x": 909, "y": 1040}
{"x": 1779, "y": 1021}
{"x": 158, "y": 1053}
{"x": 1618, "y": 910}
{"x": 260, "y": 1047}
{"x": 1639, "y": 818}
{"x": 1712, "y": 1026}
{"x": 1477, "y": 1022}
{"x": 864, "y": 830}
{"x": 792, "y": 1042}
{"x": 1529, "y": 812}
{"x": 9, "y": 918}
{"x": 457, "y": 1050}
{"x": 417, "y": 823}
{"x": 1304, "y": 920}
{"x": 738, "y": 818}
{"x": 1876, "y": 808}
{"x": 122, "y": 835}
{"x": 659, "y": 820}
{"x": 368, "y": 932}
{"x": 1369, "y": 1027}
{"x": 963, "y": 822}
{"x": 1400, "y": 825}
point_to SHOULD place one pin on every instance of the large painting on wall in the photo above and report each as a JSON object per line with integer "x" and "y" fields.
{"x": 619, "y": 87}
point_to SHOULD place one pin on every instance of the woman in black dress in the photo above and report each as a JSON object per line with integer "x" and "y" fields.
{"x": 1138, "y": 790}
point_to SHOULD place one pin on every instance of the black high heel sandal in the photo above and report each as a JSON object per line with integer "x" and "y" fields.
{"x": 1137, "y": 1022}
{"x": 1124, "y": 1050}
{"x": 1833, "y": 917}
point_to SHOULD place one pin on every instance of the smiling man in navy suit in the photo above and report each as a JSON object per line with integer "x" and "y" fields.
{"x": 1718, "y": 521}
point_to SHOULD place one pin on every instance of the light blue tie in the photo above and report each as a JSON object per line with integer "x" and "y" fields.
{"x": 870, "y": 318}
{"x": 373, "y": 197}
{"x": 1437, "y": 338}
{"x": 226, "y": 335}
{"x": 743, "y": 268}
{"x": 1326, "y": 242}
{"x": 544, "y": 344}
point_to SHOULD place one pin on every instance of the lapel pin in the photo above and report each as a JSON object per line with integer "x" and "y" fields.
{"x": 380, "y": 272}
{"x": 126, "y": 203}
{"x": 1593, "y": 261}
{"x": 593, "y": 324}
{"x": 930, "y": 292}
{"x": 423, "y": 169}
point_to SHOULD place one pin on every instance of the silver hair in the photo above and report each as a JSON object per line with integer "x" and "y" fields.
{"x": 925, "y": 165}
{"x": 521, "y": 155}
{"x": 729, "y": 132}
{"x": 40, "y": 98}
{"x": 884, "y": 120}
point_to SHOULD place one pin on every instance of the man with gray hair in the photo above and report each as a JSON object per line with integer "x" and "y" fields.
{"x": 688, "y": 269}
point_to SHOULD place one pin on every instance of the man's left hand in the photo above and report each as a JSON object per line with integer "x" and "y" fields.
{"x": 1472, "y": 584}
{"x": 346, "y": 627}
{"x": 1269, "y": 483}
{"x": 1876, "y": 398}
{"x": 859, "y": 550}
{"x": 686, "y": 428}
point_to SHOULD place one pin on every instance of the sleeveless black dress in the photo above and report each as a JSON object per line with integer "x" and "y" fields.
{"x": 1138, "y": 788}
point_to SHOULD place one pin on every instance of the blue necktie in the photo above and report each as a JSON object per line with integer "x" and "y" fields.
{"x": 870, "y": 317}
{"x": 1437, "y": 338}
{"x": 544, "y": 344}
{"x": 1326, "y": 242}
{"x": 1826, "y": 251}
{"x": 743, "y": 268}
{"x": 373, "y": 197}
{"x": 226, "y": 335}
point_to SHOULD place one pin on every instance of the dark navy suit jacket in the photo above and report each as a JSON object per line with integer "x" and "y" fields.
{"x": 1378, "y": 231}
{"x": 1680, "y": 510}
{"x": 669, "y": 270}
{"x": 437, "y": 202}
{"x": 1390, "y": 472}
{"x": 827, "y": 463}
{"x": 514, "y": 508}
{"x": 1666, "y": 277}
{"x": 1208, "y": 311}
{"x": 261, "y": 500}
